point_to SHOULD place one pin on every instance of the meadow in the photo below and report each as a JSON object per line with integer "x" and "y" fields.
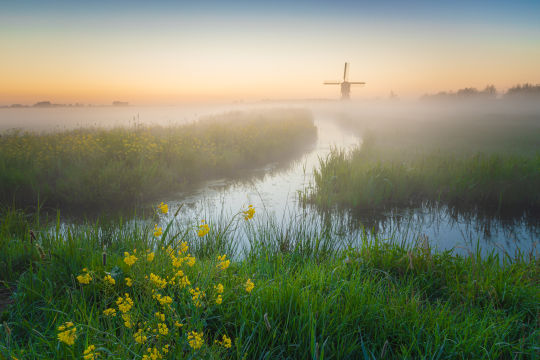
{"x": 161, "y": 287}
{"x": 96, "y": 169}
{"x": 488, "y": 163}
{"x": 120, "y": 291}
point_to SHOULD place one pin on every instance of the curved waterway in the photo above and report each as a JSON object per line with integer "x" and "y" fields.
{"x": 274, "y": 189}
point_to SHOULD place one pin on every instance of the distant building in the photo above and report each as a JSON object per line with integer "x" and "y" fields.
{"x": 120, "y": 103}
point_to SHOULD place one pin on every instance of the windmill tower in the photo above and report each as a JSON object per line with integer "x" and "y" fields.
{"x": 345, "y": 84}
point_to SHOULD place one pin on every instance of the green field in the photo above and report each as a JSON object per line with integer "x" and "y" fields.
{"x": 95, "y": 169}
{"x": 293, "y": 294}
{"x": 487, "y": 164}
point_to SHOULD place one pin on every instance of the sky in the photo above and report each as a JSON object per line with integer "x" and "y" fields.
{"x": 167, "y": 52}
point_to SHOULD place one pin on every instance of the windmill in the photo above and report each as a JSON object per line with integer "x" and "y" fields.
{"x": 345, "y": 84}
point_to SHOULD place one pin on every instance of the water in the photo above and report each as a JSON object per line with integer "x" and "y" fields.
{"x": 273, "y": 189}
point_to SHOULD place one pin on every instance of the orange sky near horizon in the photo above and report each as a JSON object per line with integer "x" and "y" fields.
{"x": 167, "y": 61}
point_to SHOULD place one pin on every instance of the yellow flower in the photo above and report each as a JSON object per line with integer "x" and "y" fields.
{"x": 249, "y": 213}
{"x": 158, "y": 281}
{"x": 219, "y": 300}
{"x": 197, "y": 296}
{"x": 223, "y": 262}
{"x": 124, "y": 303}
{"x": 150, "y": 257}
{"x": 177, "y": 324}
{"x": 129, "y": 282}
{"x": 164, "y": 208}
{"x": 109, "y": 312}
{"x": 139, "y": 336}
{"x": 163, "y": 329}
{"x": 203, "y": 229}
{"x": 129, "y": 259}
{"x": 67, "y": 333}
{"x": 219, "y": 288}
{"x": 127, "y": 321}
{"x": 160, "y": 316}
{"x": 89, "y": 353}
{"x": 225, "y": 342}
{"x": 84, "y": 278}
{"x": 249, "y": 285}
{"x": 109, "y": 279}
{"x": 195, "y": 339}
{"x": 163, "y": 300}
{"x": 157, "y": 231}
{"x": 190, "y": 260}
{"x": 154, "y": 354}
{"x": 183, "y": 248}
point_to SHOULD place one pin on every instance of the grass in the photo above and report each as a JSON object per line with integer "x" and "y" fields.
{"x": 314, "y": 297}
{"x": 485, "y": 164}
{"x": 361, "y": 180}
{"x": 94, "y": 169}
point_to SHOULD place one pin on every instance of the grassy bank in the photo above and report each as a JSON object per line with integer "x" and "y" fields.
{"x": 95, "y": 169}
{"x": 289, "y": 295}
{"x": 361, "y": 179}
{"x": 488, "y": 163}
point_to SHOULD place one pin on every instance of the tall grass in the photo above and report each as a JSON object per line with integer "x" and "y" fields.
{"x": 467, "y": 159}
{"x": 379, "y": 299}
{"x": 362, "y": 178}
{"x": 97, "y": 169}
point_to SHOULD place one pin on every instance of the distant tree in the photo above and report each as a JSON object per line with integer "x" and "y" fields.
{"x": 490, "y": 91}
{"x": 525, "y": 90}
{"x": 467, "y": 93}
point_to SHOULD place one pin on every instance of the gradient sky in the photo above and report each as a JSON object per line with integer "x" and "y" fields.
{"x": 173, "y": 51}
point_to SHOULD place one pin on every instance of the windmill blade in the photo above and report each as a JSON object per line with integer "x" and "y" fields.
{"x": 346, "y": 72}
{"x": 357, "y": 83}
{"x": 331, "y": 82}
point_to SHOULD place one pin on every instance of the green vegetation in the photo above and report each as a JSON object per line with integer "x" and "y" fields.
{"x": 96, "y": 169}
{"x": 487, "y": 164}
{"x": 292, "y": 294}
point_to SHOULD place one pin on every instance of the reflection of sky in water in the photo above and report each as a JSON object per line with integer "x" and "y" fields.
{"x": 273, "y": 191}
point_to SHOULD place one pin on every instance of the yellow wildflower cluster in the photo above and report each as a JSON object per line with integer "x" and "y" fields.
{"x": 160, "y": 316}
{"x": 109, "y": 279}
{"x": 178, "y": 261}
{"x": 90, "y": 353}
{"x": 124, "y": 303}
{"x": 158, "y": 281}
{"x": 130, "y": 259}
{"x": 150, "y": 256}
{"x": 223, "y": 262}
{"x": 153, "y": 354}
{"x": 195, "y": 339}
{"x": 129, "y": 282}
{"x": 249, "y": 213}
{"x": 203, "y": 229}
{"x": 249, "y": 285}
{"x": 109, "y": 312}
{"x": 163, "y": 329}
{"x": 67, "y": 333}
{"x": 157, "y": 231}
{"x": 196, "y": 296}
{"x": 163, "y": 208}
{"x": 127, "y": 321}
{"x": 85, "y": 278}
{"x": 140, "y": 337}
{"x": 225, "y": 342}
{"x": 219, "y": 290}
{"x": 163, "y": 300}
